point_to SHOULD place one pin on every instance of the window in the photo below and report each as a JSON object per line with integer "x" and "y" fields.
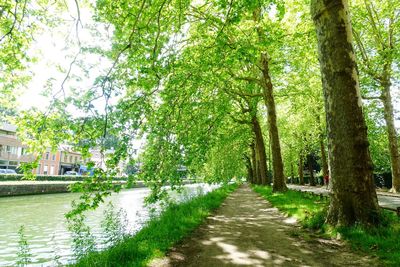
{"x": 53, "y": 157}
{"x": 38, "y": 169}
{"x": 6, "y": 132}
{"x": 52, "y": 170}
{"x": 70, "y": 158}
{"x": 12, "y": 150}
{"x": 65, "y": 158}
{"x": 45, "y": 169}
{"x": 47, "y": 155}
{"x": 76, "y": 159}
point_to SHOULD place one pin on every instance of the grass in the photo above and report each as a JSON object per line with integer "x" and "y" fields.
{"x": 161, "y": 233}
{"x": 382, "y": 241}
{"x": 309, "y": 210}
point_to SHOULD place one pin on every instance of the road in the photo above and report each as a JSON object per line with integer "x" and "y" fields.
{"x": 385, "y": 200}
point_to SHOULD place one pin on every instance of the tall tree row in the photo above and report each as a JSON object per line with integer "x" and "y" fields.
{"x": 228, "y": 89}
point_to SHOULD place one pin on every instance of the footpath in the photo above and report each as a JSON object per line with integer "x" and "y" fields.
{"x": 247, "y": 231}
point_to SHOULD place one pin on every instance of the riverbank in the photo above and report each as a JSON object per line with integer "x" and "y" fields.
{"x": 24, "y": 188}
{"x": 161, "y": 233}
{"x": 28, "y": 187}
{"x": 310, "y": 211}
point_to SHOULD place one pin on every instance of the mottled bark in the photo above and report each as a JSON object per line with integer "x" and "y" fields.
{"x": 301, "y": 173}
{"x": 260, "y": 150}
{"x": 392, "y": 135}
{"x": 353, "y": 197}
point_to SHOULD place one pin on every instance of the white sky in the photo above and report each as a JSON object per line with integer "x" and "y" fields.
{"x": 55, "y": 50}
{"x": 58, "y": 47}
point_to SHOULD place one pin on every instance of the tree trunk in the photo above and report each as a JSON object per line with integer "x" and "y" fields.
{"x": 254, "y": 162}
{"x": 291, "y": 173}
{"x": 301, "y": 174}
{"x": 392, "y": 136}
{"x": 249, "y": 169}
{"x": 353, "y": 198}
{"x": 260, "y": 150}
{"x": 279, "y": 184}
{"x": 269, "y": 161}
{"x": 310, "y": 169}
{"x": 324, "y": 160}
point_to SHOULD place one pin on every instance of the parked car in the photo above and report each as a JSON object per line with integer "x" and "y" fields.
{"x": 7, "y": 171}
{"x": 10, "y": 171}
{"x": 71, "y": 173}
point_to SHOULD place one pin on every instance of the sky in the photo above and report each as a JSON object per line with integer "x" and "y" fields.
{"x": 56, "y": 49}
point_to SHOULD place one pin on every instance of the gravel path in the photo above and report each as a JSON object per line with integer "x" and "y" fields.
{"x": 247, "y": 231}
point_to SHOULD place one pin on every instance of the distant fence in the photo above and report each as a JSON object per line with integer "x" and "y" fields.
{"x": 382, "y": 180}
{"x": 326, "y": 196}
{"x": 20, "y": 177}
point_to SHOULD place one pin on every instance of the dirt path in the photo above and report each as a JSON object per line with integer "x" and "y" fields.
{"x": 248, "y": 231}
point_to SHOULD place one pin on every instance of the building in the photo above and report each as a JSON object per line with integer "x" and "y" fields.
{"x": 59, "y": 162}
{"x": 12, "y": 151}
{"x": 49, "y": 163}
{"x": 70, "y": 160}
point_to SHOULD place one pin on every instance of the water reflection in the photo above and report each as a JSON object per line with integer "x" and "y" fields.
{"x": 45, "y": 225}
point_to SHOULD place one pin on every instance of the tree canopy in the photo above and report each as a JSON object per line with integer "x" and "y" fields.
{"x": 221, "y": 88}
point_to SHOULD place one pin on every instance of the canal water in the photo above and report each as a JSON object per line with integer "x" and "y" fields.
{"x": 45, "y": 226}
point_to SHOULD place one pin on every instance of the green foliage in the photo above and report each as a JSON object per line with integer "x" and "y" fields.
{"x": 24, "y": 253}
{"x": 114, "y": 225}
{"x": 376, "y": 27}
{"x": 161, "y": 233}
{"x": 82, "y": 239}
{"x": 185, "y": 77}
{"x": 20, "y": 22}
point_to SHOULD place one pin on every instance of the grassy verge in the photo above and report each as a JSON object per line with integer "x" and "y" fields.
{"x": 160, "y": 234}
{"x": 382, "y": 241}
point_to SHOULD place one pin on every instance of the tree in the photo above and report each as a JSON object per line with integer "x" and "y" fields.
{"x": 377, "y": 37}
{"x": 353, "y": 197}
